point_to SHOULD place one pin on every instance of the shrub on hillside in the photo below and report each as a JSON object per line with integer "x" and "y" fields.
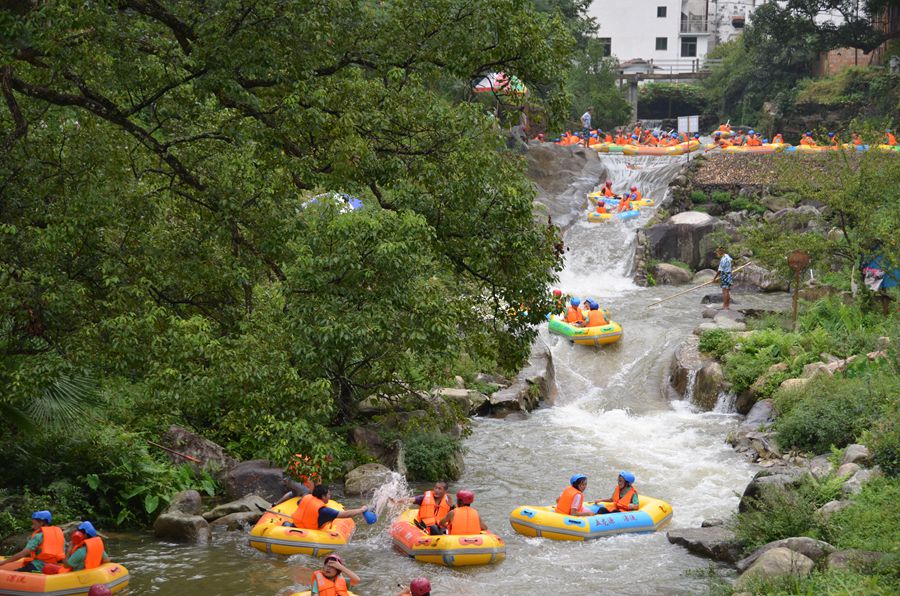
{"x": 717, "y": 342}
{"x": 872, "y": 522}
{"x": 431, "y": 456}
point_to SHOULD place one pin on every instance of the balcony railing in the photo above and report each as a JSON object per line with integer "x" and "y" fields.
{"x": 695, "y": 25}
{"x": 662, "y": 67}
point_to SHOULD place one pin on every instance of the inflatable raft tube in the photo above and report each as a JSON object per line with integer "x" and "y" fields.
{"x": 483, "y": 548}
{"x": 269, "y": 535}
{"x": 15, "y": 583}
{"x": 758, "y": 150}
{"x": 645, "y": 202}
{"x": 595, "y": 217}
{"x": 544, "y": 522}
{"x": 895, "y": 148}
{"x": 586, "y": 336}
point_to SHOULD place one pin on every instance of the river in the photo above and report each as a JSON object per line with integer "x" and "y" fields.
{"x": 613, "y": 413}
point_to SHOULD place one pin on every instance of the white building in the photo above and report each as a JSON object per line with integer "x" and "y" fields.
{"x": 668, "y": 35}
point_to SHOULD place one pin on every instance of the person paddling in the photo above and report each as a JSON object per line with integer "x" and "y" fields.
{"x": 574, "y": 316}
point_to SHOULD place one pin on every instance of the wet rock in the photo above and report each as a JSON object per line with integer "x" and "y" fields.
{"x": 731, "y": 315}
{"x": 766, "y": 478}
{"x": 854, "y": 560}
{"x": 724, "y": 320}
{"x": 255, "y": 477}
{"x": 534, "y": 384}
{"x": 759, "y": 279}
{"x": 717, "y": 543}
{"x": 703, "y": 276}
{"x": 857, "y": 454}
{"x": 764, "y": 445}
{"x": 237, "y": 521}
{"x": 178, "y": 526}
{"x": 820, "y": 466}
{"x": 716, "y": 299}
{"x": 774, "y": 204}
{"x": 832, "y": 507}
{"x": 467, "y": 401}
{"x": 248, "y": 504}
{"x": 664, "y": 273}
{"x": 854, "y": 485}
{"x": 777, "y": 562}
{"x": 685, "y": 237}
{"x": 710, "y": 312}
{"x": 460, "y": 382}
{"x": 365, "y": 478}
{"x": 212, "y": 456}
{"x": 496, "y": 380}
{"x": 814, "y": 549}
{"x": 686, "y": 363}
{"x": 186, "y": 501}
{"x": 712, "y": 523}
{"x": 710, "y": 382}
{"x": 847, "y": 470}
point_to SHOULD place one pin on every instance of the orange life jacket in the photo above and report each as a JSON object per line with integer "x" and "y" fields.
{"x": 595, "y": 319}
{"x": 573, "y": 315}
{"x": 427, "y": 513}
{"x": 625, "y": 205}
{"x": 94, "y": 552}
{"x": 601, "y": 208}
{"x": 891, "y": 139}
{"x": 725, "y": 143}
{"x": 724, "y": 127}
{"x": 652, "y": 141}
{"x": 778, "y": 139}
{"x": 621, "y": 503}
{"x": 608, "y": 192}
{"x": 807, "y": 141}
{"x": 620, "y": 140}
{"x": 53, "y": 545}
{"x": 857, "y": 140}
{"x": 465, "y": 521}
{"x": 637, "y": 131}
{"x": 637, "y": 195}
{"x": 307, "y": 513}
{"x": 737, "y": 140}
{"x": 608, "y": 138}
{"x": 326, "y": 587}
{"x": 564, "y": 504}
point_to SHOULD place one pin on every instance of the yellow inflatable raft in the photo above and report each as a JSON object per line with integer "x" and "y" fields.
{"x": 586, "y": 336}
{"x": 269, "y": 535}
{"x": 453, "y": 551}
{"x": 595, "y": 196}
{"x": 544, "y": 522}
{"x": 113, "y": 575}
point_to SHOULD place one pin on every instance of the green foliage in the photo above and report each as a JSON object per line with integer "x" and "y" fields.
{"x": 872, "y": 522}
{"x": 884, "y": 440}
{"x": 760, "y": 351}
{"x": 856, "y": 87}
{"x": 716, "y": 342}
{"x": 776, "y": 514}
{"x": 699, "y": 197}
{"x": 430, "y": 455}
{"x": 825, "y": 583}
{"x": 666, "y": 100}
{"x": 721, "y": 197}
{"x": 66, "y": 501}
{"x": 592, "y": 82}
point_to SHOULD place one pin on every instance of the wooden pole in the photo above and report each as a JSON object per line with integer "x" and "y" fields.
{"x": 694, "y": 288}
{"x": 795, "y": 298}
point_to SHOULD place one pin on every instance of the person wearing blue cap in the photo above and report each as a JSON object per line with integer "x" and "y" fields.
{"x": 312, "y": 511}
{"x": 571, "y": 501}
{"x": 46, "y": 545}
{"x": 595, "y": 316}
{"x": 91, "y": 553}
{"x": 625, "y": 497}
{"x": 574, "y": 316}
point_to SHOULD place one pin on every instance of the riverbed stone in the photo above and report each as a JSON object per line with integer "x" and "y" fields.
{"x": 710, "y": 382}
{"x": 255, "y": 477}
{"x": 686, "y": 363}
{"x": 855, "y": 483}
{"x": 815, "y": 369}
{"x": 703, "y": 328}
{"x": 703, "y": 276}
{"x": 793, "y": 384}
{"x": 365, "y": 478}
{"x": 724, "y": 321}
{"x": 712, "y": 523}
{"x": 754, "y": 278}
{"x": 766, "y": 478}
{"x": 820, "y": 466}
{"x": 710, "y": 312}
{"x": 777, "y": 562}
{"x": 686, "y": 237}
{"x": 857, "y": 454}
{"x": 832, "y": 507}
{"x": 186, "y": 501}
{"x": 178, "y": 526}
{"x": 847, "y": 470}
{"x": 761, "y": 415}
{"x": 665, "y": 273}
{"x": 809, "y": 547}
{"x": 717, "y": 542}
{"x": 247, "y": 504}
{"x": 535, "y": 383}
{"x": 236, "y": 521}
{"x": 468, "y": 401}
{"x": 854, "y": 560}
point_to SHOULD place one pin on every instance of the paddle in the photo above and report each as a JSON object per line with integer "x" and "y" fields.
{"x": 660, "y": 301}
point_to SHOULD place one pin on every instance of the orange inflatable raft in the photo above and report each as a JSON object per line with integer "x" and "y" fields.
{"x": 73, "y": 583}
{"x": 463, "y": 550}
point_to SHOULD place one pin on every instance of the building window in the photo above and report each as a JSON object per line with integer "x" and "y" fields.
{"x": 660, "y": 12}
{"x": 689, "y": 47}
{"x": 605, "y": 46}
{"x": 662, "y": 43}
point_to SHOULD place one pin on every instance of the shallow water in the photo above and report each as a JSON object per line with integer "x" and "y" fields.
{"x": 612, "y": 413}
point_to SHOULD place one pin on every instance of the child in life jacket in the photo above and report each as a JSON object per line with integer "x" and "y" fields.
{"x": 330, "y": 581}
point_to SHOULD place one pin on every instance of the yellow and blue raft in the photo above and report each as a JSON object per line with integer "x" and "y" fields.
{"x": 545, "y": 522}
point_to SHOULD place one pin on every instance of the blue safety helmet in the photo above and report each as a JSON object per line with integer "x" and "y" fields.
{"x": 88, "y": 528}
{"x": 696, "y": 135}
{"x": 576, "y": 479}
{"x": 575, "y": 301}
{"x": 751, "y": 132}
{"x": 634, "y": 136}
{"x": 656, "y": 135}
{"x": 42, "y": 515}
{"x": 831, "y": 134}
{"x": 592, "y": 304}
{"x": 766, "y": 141}
{"x": 627, "y": 476}
{"x": 808, "y": 133}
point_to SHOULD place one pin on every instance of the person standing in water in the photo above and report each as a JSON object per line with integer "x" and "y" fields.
{"x": 724, "y": 275}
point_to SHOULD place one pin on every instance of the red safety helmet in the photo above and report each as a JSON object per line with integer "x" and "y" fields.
{"x": 334, "y": 556}
{"x": 609, "y": 183}
{"x": 419, "y": 586}
{"x": 465, "y": 497}
{"x": 634, "y": 188}
{"x": 557, "y": 292}
{"x": 99, "y": 590}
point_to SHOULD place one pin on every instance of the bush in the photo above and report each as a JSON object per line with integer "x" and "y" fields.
{"x": 825, "y": 583}
{"x": 431, "y": 456}
{"x": 721, "y": 197}
{"x": 872, "y": 522}
{"x": 698, "y": 196}
{"x": 717, "y": 342}
{"x": 884, "y": 441}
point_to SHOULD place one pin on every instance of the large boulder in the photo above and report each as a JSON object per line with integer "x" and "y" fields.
{"x": 754, "y": 278}
{"x": 212, "y": 456}
{"x": 248, "y": 504}
{"x": 534, "y": 384}
{"x": 832, "y": 507}
{"x": 186, "y": 501}
{"x": 255, "y": 477}
{"x": 710, "y": 382}
{"x": 703, "y": 276}
{"x": 686, "y": 363}
{"x": 853, "y": 560}
{"x": 761, "y": 415}
{"x": 857, "y": 454}
{"x": 716, "y": 542}
{"x": 177, "y": 526}
{"x": 854, "y": 485}
{"x": 365, "y": 478}
{"x": 686, "y": 237}
{"x": 820, "y": 466}
{"x": 777, "y": 562}
{"x": 726, "y": 320}
{"x": 467, "y": 401}
{"x": 664, "y": 273}
{"x": 809, "y": 547}
{"x": 765, "y": 478}
{"x": 796, "y": 218}
{"x": 237, "y": 521}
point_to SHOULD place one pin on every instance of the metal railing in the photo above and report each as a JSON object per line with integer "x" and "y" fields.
{"x": 676, "y": 66}
{"x": 693, "y": 25}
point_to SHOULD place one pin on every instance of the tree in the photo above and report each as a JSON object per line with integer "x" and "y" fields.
{"x": 592, "y": 82}
{"x": 155, "y": 160}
